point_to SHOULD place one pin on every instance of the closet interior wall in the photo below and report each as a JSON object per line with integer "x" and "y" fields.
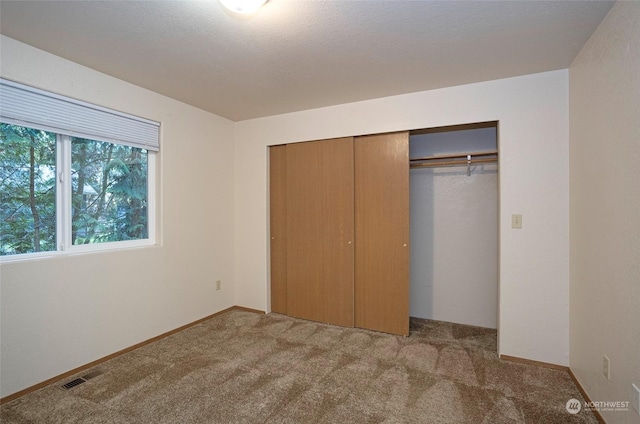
{"x": 454, "y": 230}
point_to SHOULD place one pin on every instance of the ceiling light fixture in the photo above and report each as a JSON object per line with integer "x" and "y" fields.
{"x": 243, "y": 6}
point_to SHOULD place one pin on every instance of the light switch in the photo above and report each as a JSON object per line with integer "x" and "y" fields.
{"x": 516, "y": 220}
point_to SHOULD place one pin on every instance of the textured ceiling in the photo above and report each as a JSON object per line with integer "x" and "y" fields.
{"x": 297, "y": 55}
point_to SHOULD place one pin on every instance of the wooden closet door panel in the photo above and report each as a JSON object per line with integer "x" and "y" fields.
{"x": 338, "y": 230}
{"x": 382, "y": 232}
{"x": 278, "y": 227}
{"x": 305, "y": 241}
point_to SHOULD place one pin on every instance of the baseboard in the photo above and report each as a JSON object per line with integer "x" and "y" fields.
{"x": 536, "y": 363}
{"x": 242, "y": 308}
{"x": 91, "y": 364}
{"x": 586, "y": 397}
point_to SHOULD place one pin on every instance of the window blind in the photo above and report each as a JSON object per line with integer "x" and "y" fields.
{"x": 31, "y": 107}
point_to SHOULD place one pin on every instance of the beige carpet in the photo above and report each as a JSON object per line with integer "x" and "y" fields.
{"x": 241, "y": 367}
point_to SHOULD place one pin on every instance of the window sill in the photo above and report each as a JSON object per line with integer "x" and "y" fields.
{"x": 79, "y": 251}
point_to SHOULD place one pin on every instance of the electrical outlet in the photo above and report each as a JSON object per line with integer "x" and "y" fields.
{"x": 605, "y": 367}
{"x": 218, "y": 285}
{"x": 636, "y": 398}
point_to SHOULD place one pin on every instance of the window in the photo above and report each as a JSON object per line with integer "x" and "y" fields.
{"x": 27, "y": 190}
{"x": 109, "y": 192}
{"x": 64, "y": 192}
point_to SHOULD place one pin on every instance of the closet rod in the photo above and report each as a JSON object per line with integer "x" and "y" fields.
{"x": 451, "y": 163}
{"x": 458, "y": 156}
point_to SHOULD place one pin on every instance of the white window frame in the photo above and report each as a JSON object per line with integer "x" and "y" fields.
{"x": 64, "y": 224}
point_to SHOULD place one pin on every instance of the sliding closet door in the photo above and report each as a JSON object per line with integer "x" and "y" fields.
{"x": 278, "y": 227}
{"x": 382, "y": 232}
{"x": 320, "y": 231}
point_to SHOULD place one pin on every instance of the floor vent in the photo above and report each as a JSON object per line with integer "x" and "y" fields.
{"x": 74, "y": 383}
{"x": 83, "y": 379}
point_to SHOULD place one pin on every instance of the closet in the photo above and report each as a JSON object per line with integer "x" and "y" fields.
{"x": 339, "y": 224}
{"x": 454, "y": 224}
{"x": 343, "y": 213}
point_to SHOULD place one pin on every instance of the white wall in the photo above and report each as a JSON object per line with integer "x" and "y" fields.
{"x": 605, "y": 209}
{"x": 454, "y": 231}
{"x": 534, "y": 181}
{"x": 61, "y": 313}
